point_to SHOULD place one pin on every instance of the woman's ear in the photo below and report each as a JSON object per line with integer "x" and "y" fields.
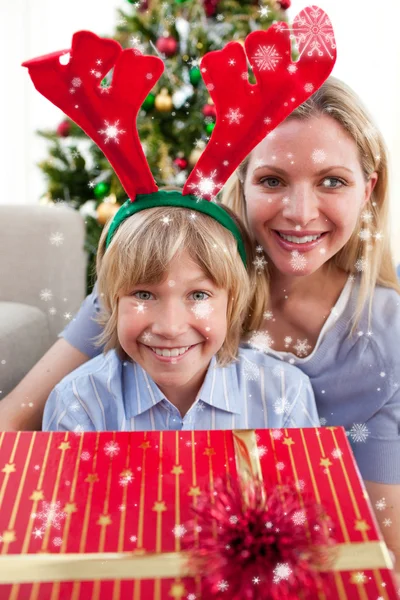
{"x": 369, "y": 188}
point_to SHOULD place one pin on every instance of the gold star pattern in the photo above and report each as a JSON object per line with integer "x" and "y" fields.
{"x": 209, "y": 451}
{"x": 37, "y": 495}
{"x": 194, "y": 491}
{"x": 126, "y": 473}
{"x": 177, "y": 591}
{"x": 331, "y": 428}
{"x": 9, "y": 536}
{"x": 288, "y": 441}
{"x": 9, "y": 468}
{"x": 361, "y": 525}
{"x": 104, "y": 520}
{"x": 159, "y": 506}
{"x": 70, "y": 508}
{"x": 145, "y": 445}
{"x": 177, "y": 470}
{"x": 325, "y": 462}
{"x": 92, "y": 478}
{"x": 64, "y": 446}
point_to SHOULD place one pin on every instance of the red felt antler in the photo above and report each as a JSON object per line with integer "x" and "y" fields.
{"x": 246, "y": 113}
{"x": 71, "y": 80}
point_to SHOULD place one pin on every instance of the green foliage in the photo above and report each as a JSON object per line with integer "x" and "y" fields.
{"x": 75, "y": 165}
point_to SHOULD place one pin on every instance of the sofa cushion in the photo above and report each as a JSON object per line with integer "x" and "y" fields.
{"x": 24, "y": 338}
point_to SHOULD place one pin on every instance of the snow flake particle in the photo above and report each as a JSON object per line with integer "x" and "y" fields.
{"x": 337, "y": 453}
{"x": 256, "y": 580}
{"x": 251, "y": 371}
{"x": 140, "y": 307}
{"x": 222, "y": 585}
{"x": 387, "y": 522}
{"x": 259, "y": 262}
{"x": 302, "y": 347}
{"x": 359, "y": 432}
{"x": 281, "y": 406}
{"x": 281, "y": 571}
{"x": 318, "y": 156}
{"x": 314, "y": 33}
{"x": 111, "y": 448}
{"x": 367, "y": 216}
{"x": 146, "y": 337}
{"x": 287, "y": 341}
{"x": 259, "y": 452}
{"x": 46, "y": 295}
{"x": 381, "y": 504}
{"x": 266, "y": 58}
{"x": 268, "y": 315}
{"x": 85, "y": 455}
{"x": 179, "y": 531}
{"x": 111, "y": 132}
{"x": 205, "y": 186}
{"x": 76, "y": 82}
{"x": 202, "y": 309}
{"x": 51, "y": 514}
{"x": 299, "y": 517}
{"x": 56, "y": 239}
{"x": 280, "y": 466}
{"x": 276, "y": 434}
{"x": 360, "y": 577}
{"x": 298, "y": 261}
{"x": 365, "y": 235}
{"x": 234, "y": 116}
{"x": 261, "y": 340}
{"x": 292, "y": 68}
{"x": 361, "y": 264}
{"x": 309, "y": 87}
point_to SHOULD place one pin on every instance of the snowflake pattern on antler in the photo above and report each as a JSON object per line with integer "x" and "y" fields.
{"x": 314, "y": 33}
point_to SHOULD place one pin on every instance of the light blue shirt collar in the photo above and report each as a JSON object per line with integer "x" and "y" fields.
{"x": 220, "y": 389}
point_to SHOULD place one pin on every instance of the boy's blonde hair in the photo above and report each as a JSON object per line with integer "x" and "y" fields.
{"x": 142, "y": 249}
{"x": 338, "y": 101}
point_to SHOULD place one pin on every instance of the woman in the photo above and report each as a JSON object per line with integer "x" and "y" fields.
{"x": 314, "y": 197}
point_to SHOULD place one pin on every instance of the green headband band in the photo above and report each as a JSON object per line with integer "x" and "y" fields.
{"x": 173, "y": 198}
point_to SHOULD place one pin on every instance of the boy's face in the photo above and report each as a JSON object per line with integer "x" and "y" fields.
{"x": 185, "y": 316}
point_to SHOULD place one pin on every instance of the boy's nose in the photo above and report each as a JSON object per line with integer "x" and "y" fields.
{"x": 302, "y": 206}
{"x": 171, "y": 321}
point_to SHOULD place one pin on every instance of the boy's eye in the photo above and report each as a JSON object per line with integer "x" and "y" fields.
{"x": 270, "y": 182}
{"x": 198, "y": 296}
{"x": 145, "y": 295}
{"x": 332, "y": 183}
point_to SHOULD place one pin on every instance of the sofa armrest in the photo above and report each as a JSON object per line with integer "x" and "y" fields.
{"x": 43, "y": 261}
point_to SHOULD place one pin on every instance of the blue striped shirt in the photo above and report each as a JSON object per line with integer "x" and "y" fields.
{"x": 256, "y": 391}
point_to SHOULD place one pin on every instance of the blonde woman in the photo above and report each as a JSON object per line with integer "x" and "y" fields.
{"x": 175, "y": 292}
{"x": 329, "y": 305}
{"x": 314, "y": 196}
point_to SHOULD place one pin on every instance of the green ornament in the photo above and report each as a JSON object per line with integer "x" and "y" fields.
{"x": 101, "y": 189}
{"x": 194, "y": 75}
{"x": 180, "y": 1}
{"x": 149, "y": 102}
{"x": 209, "y": 128}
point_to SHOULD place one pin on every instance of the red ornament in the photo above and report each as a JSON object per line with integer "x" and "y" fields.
{"x": 209, "y": 110}
{"x": 285, "y": 4}
{"x": 167, "y": 46}
{"x": 210, "y": 6}
{"x": 256, "y": 543}
{"x": 180, "y": 162}
{"x": 64, "y": 128}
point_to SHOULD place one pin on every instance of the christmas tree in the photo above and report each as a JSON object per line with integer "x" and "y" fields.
{"x": 178, "y": 116}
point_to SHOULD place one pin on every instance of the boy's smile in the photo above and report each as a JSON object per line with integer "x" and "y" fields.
{"x": 174, "y": 328}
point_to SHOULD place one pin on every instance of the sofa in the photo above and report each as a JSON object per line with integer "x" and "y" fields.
{"x": 42, "y": 282}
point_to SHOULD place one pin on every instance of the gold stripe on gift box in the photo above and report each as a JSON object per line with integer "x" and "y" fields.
{"x": 120, "y": 565}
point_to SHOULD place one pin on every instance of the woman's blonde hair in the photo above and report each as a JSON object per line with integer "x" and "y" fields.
{"x": 338, "y": 101}
{"x": 142, "y": 249}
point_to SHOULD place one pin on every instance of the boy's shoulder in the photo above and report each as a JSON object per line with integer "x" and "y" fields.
{"x": 101, "y": 368}
{"x": 250, "y": 358}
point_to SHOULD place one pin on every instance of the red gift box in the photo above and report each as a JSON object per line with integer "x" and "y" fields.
{"x": 102, "y": 515}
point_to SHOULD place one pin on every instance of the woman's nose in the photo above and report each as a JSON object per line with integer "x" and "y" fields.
{"x": 301, "y": 206}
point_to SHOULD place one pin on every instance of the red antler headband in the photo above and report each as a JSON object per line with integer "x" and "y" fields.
{"x": 246, "y": 113}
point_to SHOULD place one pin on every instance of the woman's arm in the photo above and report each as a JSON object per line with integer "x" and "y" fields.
{"x": 22, "y": 409}
{"x": 385, "y": 500}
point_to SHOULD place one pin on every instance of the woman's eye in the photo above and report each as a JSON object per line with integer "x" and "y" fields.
{"x": 144, "y": 295}
{"x": 199, "y": 296}
{"x": 332, "y": 183}
{"x": 270, "y": 182}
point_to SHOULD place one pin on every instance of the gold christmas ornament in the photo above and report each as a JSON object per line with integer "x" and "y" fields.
{"x": 163, "y": 101}
{"x": 107, "y": 209}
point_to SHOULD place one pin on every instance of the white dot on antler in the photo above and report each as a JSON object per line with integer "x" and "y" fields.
{"x": 64, "y": 59}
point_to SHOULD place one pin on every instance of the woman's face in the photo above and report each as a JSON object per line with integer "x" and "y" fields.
{"x": 304, "y": 191}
